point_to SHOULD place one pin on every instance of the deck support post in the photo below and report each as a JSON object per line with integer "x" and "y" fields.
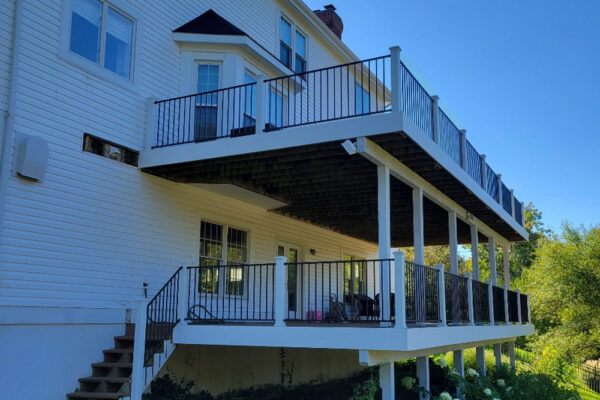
{"x": 519, "y": 306}
{"x": 385, "y": 240}
{"x": 512, "y": 203}
{"x": 475, "y": 252}
{"x": 491, "y": 300}
{"x": 395, "y": 71}
{"x": 483, "y": 172}
{"x": 434, "y": 118}
{"x": 150, "y": 120}
{"x": 470, "y": 298}
{"x": 499, "y": 189}
{"x": 511, "y": 354}
{"x": 261, "y": 101}
{"x": 480, "y": 356}
{"x": 280, "y": 291}
{"x": 453, "y": 239}
{"x": 498, "y": 354}
{"x": 492, "y": 253}
{"x": 183, "y": 294}
{"x": 419, "y": 250}
{"x": 459, "y": 362}
{"x": 386, "y": 381}
{"x": 423, "y": 373}
{"x": 522, "y": 214}
{"x": 138, "y": 375}
{"x": 463, "y": 149}
{"x": 400, "y": 287}
{"x": 441, "y": 294}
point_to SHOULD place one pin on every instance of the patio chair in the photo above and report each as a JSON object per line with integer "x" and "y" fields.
{"x": 337, "y": 312}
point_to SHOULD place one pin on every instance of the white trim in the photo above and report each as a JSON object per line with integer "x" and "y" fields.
{"x": 96, "y": 68}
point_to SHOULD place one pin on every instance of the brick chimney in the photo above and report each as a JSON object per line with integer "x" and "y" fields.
{"x": 331, "y": 19}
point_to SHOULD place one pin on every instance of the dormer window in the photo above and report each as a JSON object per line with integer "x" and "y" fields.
{"x": 292, "y": 53}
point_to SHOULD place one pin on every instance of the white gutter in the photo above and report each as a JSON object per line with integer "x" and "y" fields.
{"x": 8, "y": 120}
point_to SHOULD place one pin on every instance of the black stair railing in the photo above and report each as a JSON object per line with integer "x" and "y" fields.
{"x": 161, "y": 315}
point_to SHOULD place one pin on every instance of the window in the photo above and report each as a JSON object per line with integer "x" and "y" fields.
{"x": 355, "y": 277}
{"x": 300, "y": 47}
{"x": 105, "y": 148}
{"x": 103, "y": 35}
{"x": 206, "y": 102}
{"x": 295, "y": 60}
{"x": 285, "y": 43}
{"x": 362, "y": 101}
{"x": 222, "y": 246}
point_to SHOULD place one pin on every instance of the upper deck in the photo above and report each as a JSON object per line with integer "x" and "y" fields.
{"x": 296, "y": 162}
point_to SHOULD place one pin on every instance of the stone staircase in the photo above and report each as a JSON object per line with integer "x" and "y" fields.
{"x": 111, "y": 378}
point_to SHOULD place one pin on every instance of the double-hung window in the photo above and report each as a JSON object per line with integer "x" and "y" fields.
{"x": 103, "y": 35}
{"x": 292, "y": 53}
{"x": 222, "y": 248}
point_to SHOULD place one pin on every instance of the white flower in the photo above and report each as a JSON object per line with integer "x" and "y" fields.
{"x": 407, "y": 382}
{"x": 445, "y": 396}
{"x": 471, "y": 372}
{"x": 500, "y": 383}
{"x": 454, "y": 372}
{"x": 495, "y": 398}
{"x": 487, "y": 392}
{"x": 442, "y": 362}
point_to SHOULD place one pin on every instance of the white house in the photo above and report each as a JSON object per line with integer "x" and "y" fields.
{"x": 213, "y": 188}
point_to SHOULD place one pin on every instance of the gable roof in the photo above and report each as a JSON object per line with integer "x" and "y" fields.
{"x": 210, "y": 23}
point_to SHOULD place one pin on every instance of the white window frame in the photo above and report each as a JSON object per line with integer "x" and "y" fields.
{"x": 221, "y": 284}
{"x": 97, "y": 68}
{"x": 294, "y": 28}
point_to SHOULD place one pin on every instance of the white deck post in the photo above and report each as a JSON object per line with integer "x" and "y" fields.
{"x": 423, "y": 373}
{"x": 138, "y": 379}
{"x": 492, "y": 253}
{"x": 261, "y": 103}
{"x": 491, "y": 300}
{"x": 453, "y": 239}
{"x": 459, "y": 362}
{"x": 506, "y": 319}
{"x": 150, "y": 133}
{"x": 511, "y": 354}
{"x": 519, "y": 306}
{"x": 475, "y": 252}
{"x": 522, "y": 213}
{"x": 463, "y": 149}
{"x": 395, "y": 71}
{"x": 470, "y": 298}
{"x": 434, "y": 118}
{"x": 400, "y": 288}
{"x": 512, "y": 203}
{"x": 419, "y": 250}
{"x": 280, "y": 291}
{"x": 384, "y": 236}
{"x": 441, "y": 294}
{"x": 528, "y": 309}
{"x": 184, "y": 292}
{"x": 386, "y": 381}
{"x": 483, "y": 173}
{"x": 499, "y": 188}
{"x": 480, "y": 356}
{"x": 506, "y": 265}
{"x": 498, "y": 354}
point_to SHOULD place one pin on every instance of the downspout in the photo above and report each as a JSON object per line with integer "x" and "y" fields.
{"x": 9, "y": 115}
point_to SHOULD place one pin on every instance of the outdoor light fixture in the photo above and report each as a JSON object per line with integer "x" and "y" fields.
{"x": 313, "y": 252}
{"x": 349, "y": 147}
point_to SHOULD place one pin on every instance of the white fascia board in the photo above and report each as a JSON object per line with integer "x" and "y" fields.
{"x": 243, "y": 42}
{"x": 436, "y": 152}
{"x": 374, "y": 153}
{"x": 265, "y": 141}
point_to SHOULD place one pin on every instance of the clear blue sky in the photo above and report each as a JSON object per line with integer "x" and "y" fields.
{"x": 522, "y": 76}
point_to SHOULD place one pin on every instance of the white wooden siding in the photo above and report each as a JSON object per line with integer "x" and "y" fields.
{"x": 6, "y": 35}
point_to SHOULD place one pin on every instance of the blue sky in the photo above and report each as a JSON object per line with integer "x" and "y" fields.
{"x": 523, "y": 77}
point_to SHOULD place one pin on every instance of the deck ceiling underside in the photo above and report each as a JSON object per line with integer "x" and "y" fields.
{"x": 325, "y": 186}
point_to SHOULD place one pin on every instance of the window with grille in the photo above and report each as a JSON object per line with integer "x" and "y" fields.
{"x": 354, "y": 276}
{"x": 221, "y": 249}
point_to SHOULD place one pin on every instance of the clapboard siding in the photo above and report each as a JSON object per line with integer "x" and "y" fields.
{"x": 95, "y": 229}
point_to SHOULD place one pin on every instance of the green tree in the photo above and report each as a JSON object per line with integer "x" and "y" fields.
{"x": 564, "y": 284}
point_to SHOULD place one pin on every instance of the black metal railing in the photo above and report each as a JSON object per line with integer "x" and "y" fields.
{"x": 513, "y": 306}
{"x": 327, "y": 94}
{"x": 422, "y": 293}
{"x": 457, "y": 299}
{"x": 449, "y": 136}
{"x": 473, "y": 163}
{"x": 161, "y": 315}
{"x": 415, "y": 102}
{"x": 492, "y": 182}
{"x": 506, "y": 200}
{"x": 481, "y": 304}
{"x": 229, "y": 293}
{"x": 339, "y": 291}
{"x": 228, "y": 112}
{"x": 524, "y": 308}
{"x": 498, "y": 299}
{"x": 518, "y": 212}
